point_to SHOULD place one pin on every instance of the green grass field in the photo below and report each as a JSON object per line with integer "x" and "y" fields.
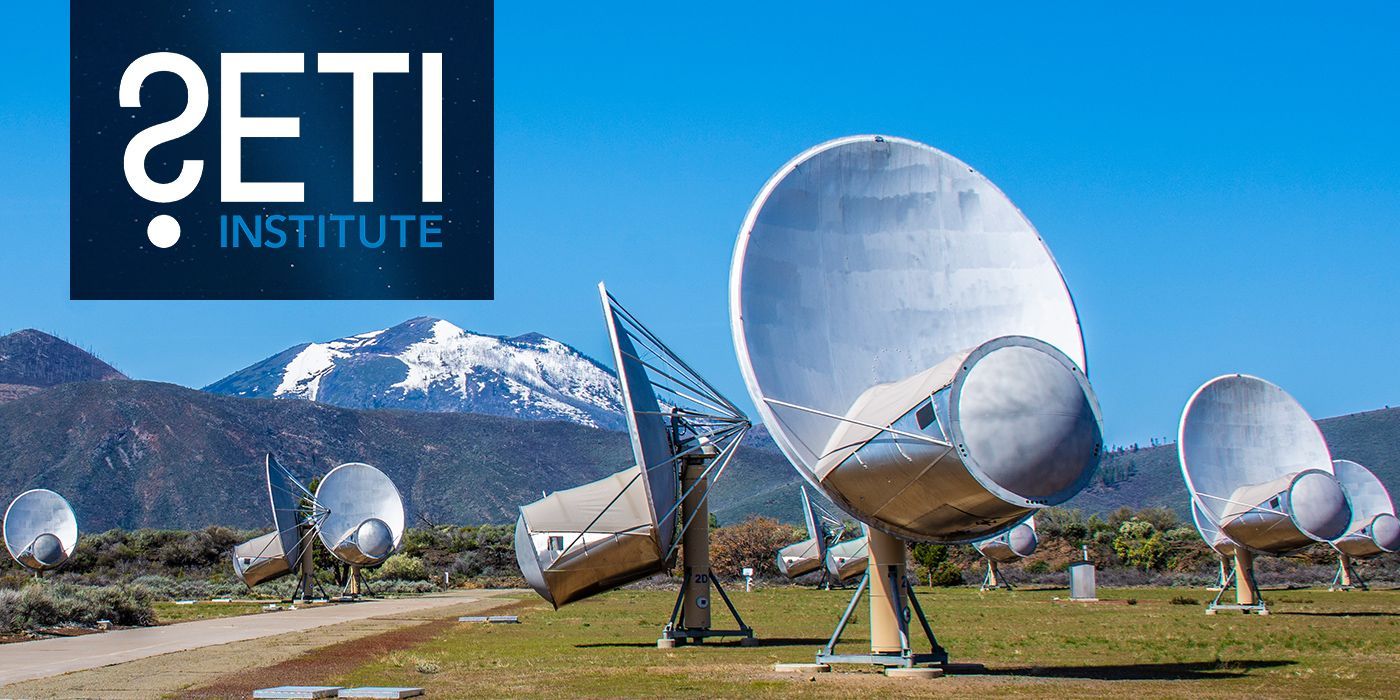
{"x": 170, "y": 612}
{"x": 1317, "y": 644}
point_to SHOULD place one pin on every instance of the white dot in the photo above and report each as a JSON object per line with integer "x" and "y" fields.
{"x": 163, "y": 231}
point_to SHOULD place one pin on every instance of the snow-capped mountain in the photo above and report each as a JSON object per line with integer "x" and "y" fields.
{"x": 428, "y": 364}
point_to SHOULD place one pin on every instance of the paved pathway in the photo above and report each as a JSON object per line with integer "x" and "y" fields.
{"x": 23, "y": 661}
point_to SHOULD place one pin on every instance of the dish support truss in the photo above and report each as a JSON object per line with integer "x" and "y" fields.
{"x": 994, "y": 578}
{"x": 1347, "y": 578}
{"x": 1241, "y": 576}
{"x": 704, "y": 429}
{"x": 895, "y": 588}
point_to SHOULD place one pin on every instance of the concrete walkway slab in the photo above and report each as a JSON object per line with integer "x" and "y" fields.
{"x": 42, "y": 658}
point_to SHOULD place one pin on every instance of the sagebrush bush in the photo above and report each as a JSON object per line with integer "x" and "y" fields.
{"x": 400, "y": 566}
{"x": 43, "y": 605}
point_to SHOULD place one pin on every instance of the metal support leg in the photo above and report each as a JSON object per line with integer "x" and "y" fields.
{"x": 1230, "y": 579}
{"x": 937, "y": 649}
{"x": 830, "y": 649}
{"x": 677, "y": 630}
{"x": 908, "y": 606}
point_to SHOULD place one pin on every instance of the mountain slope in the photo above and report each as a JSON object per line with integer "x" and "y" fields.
{"x": 31, "y": 361}
{"x": 428, "y": 364}
{"x": 1152, "y": 476}
{"x": 142, "y": 454}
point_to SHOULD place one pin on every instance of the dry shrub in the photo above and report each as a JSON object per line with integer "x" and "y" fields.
{"x": 752, "y": 543}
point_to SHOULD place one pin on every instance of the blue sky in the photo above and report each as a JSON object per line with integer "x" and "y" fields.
{"x": 1219, "y": 185}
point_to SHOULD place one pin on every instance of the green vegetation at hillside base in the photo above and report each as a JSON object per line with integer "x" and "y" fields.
{"x": 1150, "y": 547}
{"x": 1315, "y": 645}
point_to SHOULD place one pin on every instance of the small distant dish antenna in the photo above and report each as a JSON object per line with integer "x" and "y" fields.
{"x": 287, "y": 548}
{"x": 1260, "y": 476}
{"x": 590, "y": 539}
{"x": 356, "y": 512}
{"x": 911, "y": 345}
{"x": 1009, "y": 547}
{"x": 40, "y": 530}
{"x": 823, "y": 529}
{"x": 364, "y": 519}
{"x": 847, "y": 561}
{"x": 1374, "y": 529}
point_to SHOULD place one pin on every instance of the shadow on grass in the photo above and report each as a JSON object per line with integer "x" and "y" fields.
{"x": 1339, "y": 614}
{"x": 1203, "y": 670}
{"x": 728, "y": 642}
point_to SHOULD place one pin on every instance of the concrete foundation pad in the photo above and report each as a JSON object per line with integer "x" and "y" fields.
{"x": 801, "y": 668}
{"x": 665, "y": 643}
{"x": 383, "y": 693}
{"x": 493, "y": 619}
{"x": 916, "y": 672}
{"x": 297, "y": 692}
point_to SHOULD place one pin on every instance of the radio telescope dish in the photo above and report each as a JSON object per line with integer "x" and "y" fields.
{"x": 40, "y": 530}
{"x": 279, "y": 552}
{"x": 596, "y": 537}
{"x": 566, "y": 560}
{"x": 911, "y": 345}
{"x": 848, "y": 560}
{"x": 1374, "y": 529}
{"x": 1017, "y": 543}
{"x": 808, "y": 555}
{"x": 1259, "y": 473}
{"x": 364, "y": 520}
{"x": 910, "y": 342}
{"x": 1258, "y": 468}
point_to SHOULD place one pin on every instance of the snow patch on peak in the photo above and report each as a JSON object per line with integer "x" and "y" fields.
{"x": 534, "y": 374}
{"x": 428, "y": 364}
{"x": 302, "y": 376}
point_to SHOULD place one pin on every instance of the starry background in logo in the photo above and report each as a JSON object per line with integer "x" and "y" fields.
{"x": 112, "y": 256}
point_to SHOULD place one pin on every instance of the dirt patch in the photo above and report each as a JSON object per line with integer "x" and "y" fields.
{"x": 317, "y": 666}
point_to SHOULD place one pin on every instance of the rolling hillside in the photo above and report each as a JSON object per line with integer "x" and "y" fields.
{"x": 142, "y": 454}
{"x": 31, "y": 361}
{"x": 1152, "y": 477}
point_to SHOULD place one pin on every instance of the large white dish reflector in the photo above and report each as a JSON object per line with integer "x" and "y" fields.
{"x": 1374, "y": 528}
{"x": 874, "y": 273}
{"x": 1258, "y": 468}
{"x": 40, "y": 529}
{"x": 364, "y": 514}
{"x": 284, "y": 494}
{"x": 650, "y": 445}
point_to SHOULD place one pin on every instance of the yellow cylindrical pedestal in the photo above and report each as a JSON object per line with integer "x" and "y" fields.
{"x": 695, "y": 555}
{"x": 888, "y": 564}
{"x": 307, "y": 570}
{"x": 1246, "y": 590}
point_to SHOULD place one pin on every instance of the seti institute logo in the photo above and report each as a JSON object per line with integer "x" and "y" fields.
{"x": 273, "y": 150}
